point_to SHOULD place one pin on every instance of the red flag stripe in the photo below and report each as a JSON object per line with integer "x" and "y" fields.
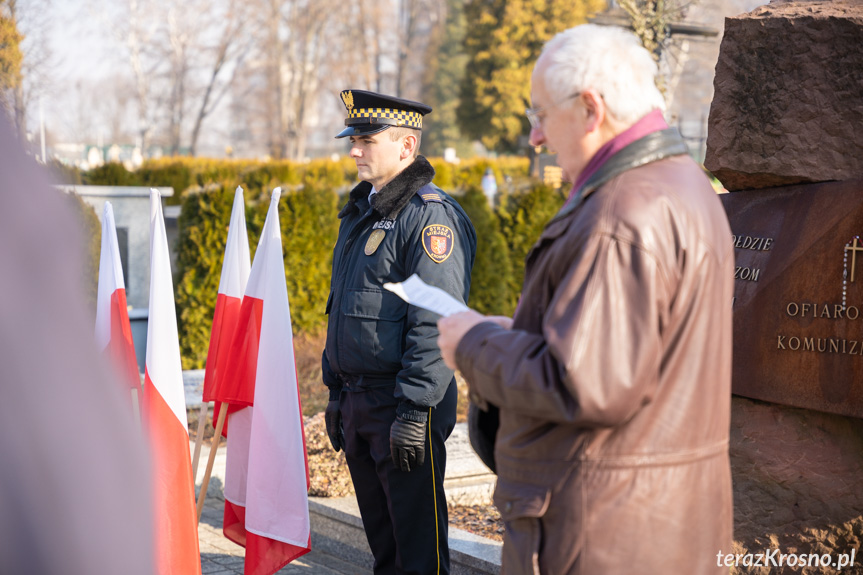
{"x": 164, "y": 416}
{"x": 176, "y": 522}
{"x": 238, "y": 385}
{"x": 225, "y": 320}
{"x": 121, "y": 348}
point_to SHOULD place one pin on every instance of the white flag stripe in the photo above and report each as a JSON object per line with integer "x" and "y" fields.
{"x": 240, "y": 424}
{"x": 272, "y": 511}
{"x": 110, "y": 277}
{"x": 255, "y": 286}
{"x": 162, "y": 339}
{"x": 235, "y": 268}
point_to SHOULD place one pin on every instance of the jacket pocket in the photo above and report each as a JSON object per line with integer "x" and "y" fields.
{"x": 373, "y": 331}
{"x": 521, "y": 508}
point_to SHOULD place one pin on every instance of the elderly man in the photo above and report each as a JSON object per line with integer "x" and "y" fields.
{"x": 613, "y": 379}
{"x": 392, "y": 400}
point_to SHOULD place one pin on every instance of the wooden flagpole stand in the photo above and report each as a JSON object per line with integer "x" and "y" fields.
{"x": 202, "y": 427}
{"x": 217, "y": 438}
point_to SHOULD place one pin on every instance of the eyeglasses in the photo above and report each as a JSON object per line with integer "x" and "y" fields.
{"x": 533, "y": 114}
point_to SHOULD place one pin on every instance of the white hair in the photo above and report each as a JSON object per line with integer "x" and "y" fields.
{"x": 609, "y": 60}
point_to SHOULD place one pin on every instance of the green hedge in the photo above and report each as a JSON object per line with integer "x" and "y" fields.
{"x": 490, "y": 286}
{"x": 312, "y": 194}
{"x": 522, "y": 219}
{"x": 92, "y": 247}
{"x": 200, "y": 250}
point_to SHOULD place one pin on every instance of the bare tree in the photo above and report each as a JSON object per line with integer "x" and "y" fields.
{"x": 651, "y": 22}
{"x": 138, "y": 32}
{"x": 292, "y": 55}
{"x": 305, "y": 54}
{"x": 33, "y": 20}
{"x": 417, "y": 20}
{"x": 117, "y": 96}
{"x": 205, "y": 43}
{"x": 229, "y": 50}
{"x": 179, "y": 40}
{"x": 182, "y": 56}
{"x": 307, "y": 50}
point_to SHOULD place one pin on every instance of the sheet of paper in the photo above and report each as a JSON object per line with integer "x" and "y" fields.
{"x": 416, "y": 292}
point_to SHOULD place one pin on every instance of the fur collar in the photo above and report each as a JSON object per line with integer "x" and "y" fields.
{"x": 393, "y": 197}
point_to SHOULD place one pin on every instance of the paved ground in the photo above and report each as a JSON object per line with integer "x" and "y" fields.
{"x": 220, "y": 556}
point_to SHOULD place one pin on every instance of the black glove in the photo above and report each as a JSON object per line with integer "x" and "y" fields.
{"x": 408, "y": 443}
{"x": 333, "y": 420}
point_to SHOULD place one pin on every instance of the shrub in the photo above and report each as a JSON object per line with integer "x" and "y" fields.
{"x": 200, "y": 248}
{"x": 522, "y": 219}
{"x": 92, "y": 248}
{"x": 492, "y": 274}
{"x": 309, "y": 229}
{"x": 111, "y": 174}
{"x": 171, "y": 173}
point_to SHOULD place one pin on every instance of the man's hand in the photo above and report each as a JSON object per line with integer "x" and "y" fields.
{"x": 408, "y": 444}
{"x": 453, "y": 328}
{"x": 333, "y": 420}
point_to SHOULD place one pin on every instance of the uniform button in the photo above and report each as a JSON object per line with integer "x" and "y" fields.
{"x": 508, "y": 506}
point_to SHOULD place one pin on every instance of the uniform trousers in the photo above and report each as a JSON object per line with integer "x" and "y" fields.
{"x": 404, "y": 513}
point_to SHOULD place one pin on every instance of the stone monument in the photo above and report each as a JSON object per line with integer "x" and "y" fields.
{"x": 784, "y": 135}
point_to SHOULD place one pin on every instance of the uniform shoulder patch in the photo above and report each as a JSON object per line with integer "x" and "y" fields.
{"x": 438, "y": 242}
{"x": 429, "y": 195}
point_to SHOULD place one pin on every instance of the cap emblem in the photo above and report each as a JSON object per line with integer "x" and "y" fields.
{"x": 348, "y": 99}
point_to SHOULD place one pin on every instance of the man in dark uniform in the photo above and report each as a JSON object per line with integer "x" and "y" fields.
{"x": 392, "y": 399}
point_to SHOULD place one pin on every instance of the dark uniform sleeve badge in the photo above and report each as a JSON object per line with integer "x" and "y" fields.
{"x": 438, "y": 242}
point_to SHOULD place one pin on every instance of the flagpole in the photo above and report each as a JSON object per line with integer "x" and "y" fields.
{"x": 223, "y": 411}
{"x": 202, "y": 421}
{"x": 136, "y": 410}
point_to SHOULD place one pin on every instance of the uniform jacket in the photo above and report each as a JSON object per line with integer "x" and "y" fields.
{"x": 616, "y": 376}
{"x": 374, "y": 337}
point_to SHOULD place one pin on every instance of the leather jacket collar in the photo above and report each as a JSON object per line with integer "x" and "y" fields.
{"x": 652, "y": 147}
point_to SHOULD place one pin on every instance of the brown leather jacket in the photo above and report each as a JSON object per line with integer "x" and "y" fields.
{"x": 615, "y": 381}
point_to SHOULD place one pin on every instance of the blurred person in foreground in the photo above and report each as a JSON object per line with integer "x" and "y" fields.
{"x": 613, "y": 379}
{"x": 392, "y": 399}
{"x": 74, "y": 497}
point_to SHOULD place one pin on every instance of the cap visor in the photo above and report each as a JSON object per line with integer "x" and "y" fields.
{"x": 362, "y": 130}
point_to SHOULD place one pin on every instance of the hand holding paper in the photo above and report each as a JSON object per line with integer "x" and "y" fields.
{"x": 456, "y": 318}
{"x": 416, "y": 292}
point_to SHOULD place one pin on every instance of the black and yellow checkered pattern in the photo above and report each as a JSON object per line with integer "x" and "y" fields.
{"x": 396, "y": 117}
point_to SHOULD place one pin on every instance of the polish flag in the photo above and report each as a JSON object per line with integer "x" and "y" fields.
{"x": 266, "y": 476}
{"x": 164, "y": 415}
{"x": 232, "y": 286}
{"x": 113, "y": 332}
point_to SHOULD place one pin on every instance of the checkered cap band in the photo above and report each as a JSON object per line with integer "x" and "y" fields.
{"x": 403, "y": 117}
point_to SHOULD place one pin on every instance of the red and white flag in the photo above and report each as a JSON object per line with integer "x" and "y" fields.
{"x": 113, "y": 331}
{"x": 266, "y": 476}
{"x": 164, "y": 416}
{"x": 232, "y": 286}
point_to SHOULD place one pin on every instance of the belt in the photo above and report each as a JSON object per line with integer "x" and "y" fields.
{"x": 352, "y": 381}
